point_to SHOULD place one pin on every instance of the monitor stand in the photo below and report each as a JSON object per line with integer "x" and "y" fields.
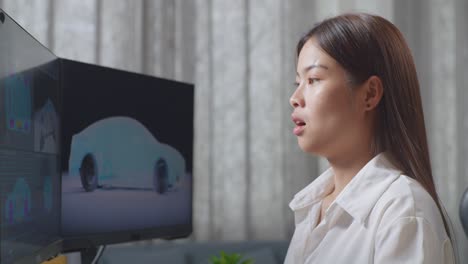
{"x": 88, "y": 255}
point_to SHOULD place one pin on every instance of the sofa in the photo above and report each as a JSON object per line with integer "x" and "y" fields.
{"x": 261, "y": 252}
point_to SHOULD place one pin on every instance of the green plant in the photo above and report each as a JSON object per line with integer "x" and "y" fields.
{"x": 230, "y": 259}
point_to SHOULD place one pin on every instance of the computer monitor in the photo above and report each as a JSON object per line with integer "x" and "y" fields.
{"x": 127, "y": 156}
{"x": 29, "y": 147}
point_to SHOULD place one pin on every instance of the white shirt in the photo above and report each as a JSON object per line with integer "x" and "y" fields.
{"x": 381, "y": 216}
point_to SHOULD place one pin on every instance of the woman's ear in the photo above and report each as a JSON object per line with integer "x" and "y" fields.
{"x": 372, "y": 92}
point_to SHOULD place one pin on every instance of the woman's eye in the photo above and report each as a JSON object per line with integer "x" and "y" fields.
{"x": 312, "y": 80}
{"x": 296, "y": 84}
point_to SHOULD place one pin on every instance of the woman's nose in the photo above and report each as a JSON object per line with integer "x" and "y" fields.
{"x": 296, "y": 100}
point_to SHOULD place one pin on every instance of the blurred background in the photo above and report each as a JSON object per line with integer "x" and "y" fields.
{"x": 240, "y": 55}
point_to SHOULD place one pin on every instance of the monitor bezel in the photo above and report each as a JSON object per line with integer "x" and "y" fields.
{"x": 80, "y": 243}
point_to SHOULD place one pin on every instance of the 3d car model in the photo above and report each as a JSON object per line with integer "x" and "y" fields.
{"x": 120, "y": 152}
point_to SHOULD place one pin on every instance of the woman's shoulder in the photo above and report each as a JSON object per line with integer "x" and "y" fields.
{"x": 407, "y": 199}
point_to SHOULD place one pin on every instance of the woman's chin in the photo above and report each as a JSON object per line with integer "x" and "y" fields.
{"x": 307, "y": 146}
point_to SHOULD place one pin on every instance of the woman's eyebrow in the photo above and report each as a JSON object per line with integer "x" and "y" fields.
{"x": 310, "y": 67}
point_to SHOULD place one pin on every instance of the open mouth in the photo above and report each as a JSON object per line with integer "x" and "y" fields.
{"x": 300, "y": 123}
{"x": 300, "y": 126}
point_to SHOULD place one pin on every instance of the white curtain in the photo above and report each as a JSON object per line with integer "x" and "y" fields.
{"x": 240, "y": 55}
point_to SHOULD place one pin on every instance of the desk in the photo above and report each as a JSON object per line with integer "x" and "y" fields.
{"x": 58, "y": 260}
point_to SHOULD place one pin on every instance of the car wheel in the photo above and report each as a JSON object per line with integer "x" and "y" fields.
{"x": 89, "y": 172}
{"x": 161, "y": 177}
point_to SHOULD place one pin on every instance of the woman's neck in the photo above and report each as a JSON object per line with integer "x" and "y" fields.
{"x": 346, "y": 167}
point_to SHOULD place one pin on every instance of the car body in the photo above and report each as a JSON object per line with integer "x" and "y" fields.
{"x": 120, "y": 152}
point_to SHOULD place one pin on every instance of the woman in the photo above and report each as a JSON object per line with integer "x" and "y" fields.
{"x": 357, "y": 103}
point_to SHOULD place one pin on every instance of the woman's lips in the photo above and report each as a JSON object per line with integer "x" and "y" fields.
{"x": 300, "y": 125}
{"x": 298, "y": 130}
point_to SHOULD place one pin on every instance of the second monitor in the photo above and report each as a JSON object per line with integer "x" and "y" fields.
{"x": 126, "y": 156}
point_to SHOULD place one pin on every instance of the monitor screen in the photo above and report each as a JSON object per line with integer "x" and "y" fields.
{"x": 29, "y": 147}
{"x": 127, "y": 156}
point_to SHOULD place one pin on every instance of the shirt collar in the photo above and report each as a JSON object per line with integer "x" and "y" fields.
{"x": 359, "y": 196}
{"x": 313, "y": 192}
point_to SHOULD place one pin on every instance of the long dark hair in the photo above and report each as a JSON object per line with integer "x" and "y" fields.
{"x": 366, "y": 45}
